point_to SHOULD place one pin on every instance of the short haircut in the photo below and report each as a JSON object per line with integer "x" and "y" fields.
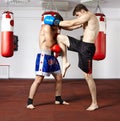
{"x": 78, "y": 8}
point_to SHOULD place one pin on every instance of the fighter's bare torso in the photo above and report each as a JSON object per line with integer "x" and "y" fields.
{"x": 91, "y": 28}
{"x": 47, "y": 37}
{"x": 84, "y": 19}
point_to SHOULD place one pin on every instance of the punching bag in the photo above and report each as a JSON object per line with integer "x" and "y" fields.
{"x": 7, "y": 26}
{"x": 100, "y": 42}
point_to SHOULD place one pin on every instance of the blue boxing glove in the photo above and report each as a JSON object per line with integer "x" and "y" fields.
{"x": 50, "y": 20}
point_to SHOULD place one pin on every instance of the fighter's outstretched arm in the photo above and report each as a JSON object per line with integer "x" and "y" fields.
{"x": 72, "y": 27}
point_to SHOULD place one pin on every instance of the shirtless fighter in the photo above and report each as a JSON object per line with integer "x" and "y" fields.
{"x": 46, "y": 64}
{"x": 86, "y": 47}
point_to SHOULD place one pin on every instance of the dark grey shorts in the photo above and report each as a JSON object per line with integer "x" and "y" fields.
{"x": 85, "y": 53}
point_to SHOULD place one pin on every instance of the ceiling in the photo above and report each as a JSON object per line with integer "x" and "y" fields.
{"x": 71, "y": 3}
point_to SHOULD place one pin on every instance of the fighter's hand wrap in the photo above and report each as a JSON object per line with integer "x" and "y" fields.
{"x": 50, "y": 20}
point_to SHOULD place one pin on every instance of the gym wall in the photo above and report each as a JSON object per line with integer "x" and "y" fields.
{"x": 27, "y": 26}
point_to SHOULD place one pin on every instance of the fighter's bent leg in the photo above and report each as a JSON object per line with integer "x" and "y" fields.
{"x": 63, "y": 39}
{"x": 63, "y": 42}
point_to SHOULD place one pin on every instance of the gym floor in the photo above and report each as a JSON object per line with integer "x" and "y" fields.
{"x": 14, "y": 94}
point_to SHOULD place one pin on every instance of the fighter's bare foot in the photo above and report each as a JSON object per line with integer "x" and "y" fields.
{"x": 65, "y": 67}
{"x": 92, "y": 107}
{"x": 64, "y": 103}
{"x": 31, "y": 106}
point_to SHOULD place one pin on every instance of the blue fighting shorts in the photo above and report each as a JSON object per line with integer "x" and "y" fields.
{"x": 46, "y": 64}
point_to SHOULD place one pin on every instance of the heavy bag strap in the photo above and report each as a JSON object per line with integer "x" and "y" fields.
{"x": 51, "y": 6}
{"x": 98, "y": 8}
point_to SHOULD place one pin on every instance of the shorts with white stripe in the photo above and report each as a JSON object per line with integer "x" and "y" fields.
{"x": 46, "y": 64}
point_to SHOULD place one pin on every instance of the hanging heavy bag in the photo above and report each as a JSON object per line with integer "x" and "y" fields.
{"x": 7, "y": 26}
{"x": 100, "y": 41}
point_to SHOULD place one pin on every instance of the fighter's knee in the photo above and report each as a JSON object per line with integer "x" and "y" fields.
{"x": 59, "y": 37}
{"x": 38, "y": 79}
{"x": 87, "y": 76}
{"x": 63, "y": 39}
{"x": 59, "y": 79}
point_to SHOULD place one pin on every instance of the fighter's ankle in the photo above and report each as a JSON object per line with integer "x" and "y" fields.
{"x": 59, "y": 99}
{"x": 30, "y": 101}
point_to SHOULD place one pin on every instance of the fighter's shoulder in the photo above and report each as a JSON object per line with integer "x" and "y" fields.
{"x": 45, "y": 27}
{"x": 91, "y": 16}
